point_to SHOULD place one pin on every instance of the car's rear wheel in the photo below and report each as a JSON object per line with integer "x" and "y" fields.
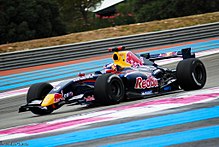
{"x": 38, "y": 92}
{"x": 109, "y": 89}
{"x": 191, "y": 74}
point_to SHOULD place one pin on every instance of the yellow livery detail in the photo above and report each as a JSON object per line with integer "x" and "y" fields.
{"x": 119, "y": 58}
{"x": 48, "y": 100}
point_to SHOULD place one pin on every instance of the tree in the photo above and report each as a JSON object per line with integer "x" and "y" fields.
{"x": 148, "y": 10}
{"x": 24, "y": 19}
{"x": 126, "y": 12}
{"x": 77, "y": 11}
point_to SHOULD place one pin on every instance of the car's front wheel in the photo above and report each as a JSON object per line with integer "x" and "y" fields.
{"x": 109, "y": 89}
{"x": 39, "y": 91}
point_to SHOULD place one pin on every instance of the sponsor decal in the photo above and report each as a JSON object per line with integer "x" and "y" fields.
{"x": 69, "y": 94}
{"x": 168, "y": 54}
{"x": 77, "y": 97}
{"x": 83, "y": 78}
{"x": 167, "y": 88}
{"x": 150, "y": 82}
{"x": 133, "y": 59}
{"x": 58, "y": 97}
{"x": 89, "y": 98}
{"x": 146, "y": 92}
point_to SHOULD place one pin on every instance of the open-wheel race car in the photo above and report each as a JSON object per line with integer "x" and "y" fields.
{"x": 130, "y": 76}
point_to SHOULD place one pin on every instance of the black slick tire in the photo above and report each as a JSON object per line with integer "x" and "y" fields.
{"x": 191, "y": 74}
{"x": 39, "y": 91}
{"x": 109, "y": 89}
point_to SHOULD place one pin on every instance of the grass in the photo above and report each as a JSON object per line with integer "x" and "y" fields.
{"x": 113, "y": 32}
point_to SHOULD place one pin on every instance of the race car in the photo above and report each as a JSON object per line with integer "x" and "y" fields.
{"x": 129, "y": 76}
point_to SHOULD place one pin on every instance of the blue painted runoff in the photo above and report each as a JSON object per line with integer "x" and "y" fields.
{"x": 132, "y": 127}
{"x": 15, "y": 81}
{"x": 173, "y": 138}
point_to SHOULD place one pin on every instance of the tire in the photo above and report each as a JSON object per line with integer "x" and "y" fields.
{"x": 109, "y": 89}
{"x": 38, "y": 92}
{"x": 191, "y": 74}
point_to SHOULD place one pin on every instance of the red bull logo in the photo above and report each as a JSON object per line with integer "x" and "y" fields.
{"x": 150, "y": 82}
{"x": 133, "y": 59}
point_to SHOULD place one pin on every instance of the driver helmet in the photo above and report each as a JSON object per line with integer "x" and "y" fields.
{"x": 111, "y": 67}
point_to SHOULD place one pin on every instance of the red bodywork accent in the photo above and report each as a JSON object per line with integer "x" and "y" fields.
{"x": 133, "y": 59}
{"x": 89, "y": 98}
{"x": 116, "y": 49}
{"x": 110, "y": 71}
{"x": 81, "y": 74}
{"x": 89, "y": 81}
{"x": 120, "y": 48}
{"x": 57, "y": 97}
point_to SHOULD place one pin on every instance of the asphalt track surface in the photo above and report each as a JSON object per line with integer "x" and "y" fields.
{"x": 10, "y": 118}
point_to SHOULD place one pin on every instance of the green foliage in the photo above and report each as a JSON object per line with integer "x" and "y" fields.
{"x": 76, "y": 15}
{"x": 162, "y": 9}
{"x": 135, "y": 11}
{"x": 126, "y": 13}
{"x": 29, "y": 19}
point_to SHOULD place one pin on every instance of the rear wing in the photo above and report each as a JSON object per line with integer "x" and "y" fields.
{"x": 184, "y": 53}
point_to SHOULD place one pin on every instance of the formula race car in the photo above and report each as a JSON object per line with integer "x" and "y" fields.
{"x": 130, "y": 76}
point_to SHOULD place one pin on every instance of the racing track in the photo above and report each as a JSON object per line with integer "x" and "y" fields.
{"x": 186, "y": 132}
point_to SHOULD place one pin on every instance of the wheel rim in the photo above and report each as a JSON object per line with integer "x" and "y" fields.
{"x": 199, "y": 74}
{"x": 115, "y": 88}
